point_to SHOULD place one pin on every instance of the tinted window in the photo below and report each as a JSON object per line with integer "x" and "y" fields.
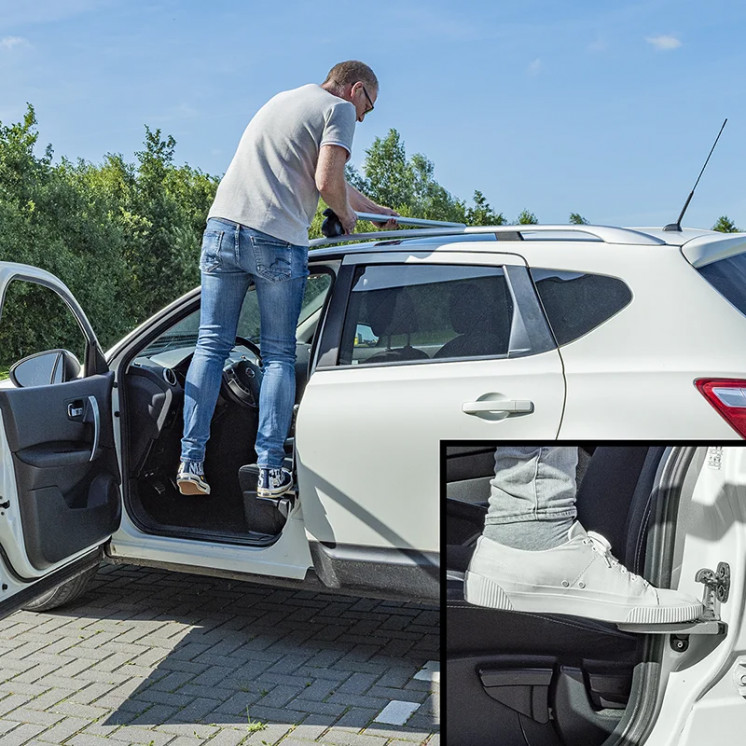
{"x": 728, "y": 277}
{"x": 575, "y": 302}
{"x": 421, "y": 313}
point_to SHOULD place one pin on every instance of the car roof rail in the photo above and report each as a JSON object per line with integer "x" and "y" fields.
{"x": 603, "y": 233}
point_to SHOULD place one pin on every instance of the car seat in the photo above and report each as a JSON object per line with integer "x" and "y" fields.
{"x": 481, "y": 315}
{"x": 391, "y": 312}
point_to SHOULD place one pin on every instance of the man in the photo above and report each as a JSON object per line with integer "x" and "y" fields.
{"x": 534, "y": 556}
{"x": 293, "y": 151}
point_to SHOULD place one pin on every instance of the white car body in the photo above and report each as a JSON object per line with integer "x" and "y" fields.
{"x": 367, "y": 437}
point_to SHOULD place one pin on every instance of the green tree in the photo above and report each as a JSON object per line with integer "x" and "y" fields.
{"x": 481, "y": 213}
{"x": 725, "y": 225}
{"x": 577, "y": 219}
{"x": 124, "y": 237}
{"x": 49, "y": 220}
{"x": 526, "y": 217}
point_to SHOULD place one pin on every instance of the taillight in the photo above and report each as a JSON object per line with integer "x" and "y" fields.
{"x": 728, "y": 396}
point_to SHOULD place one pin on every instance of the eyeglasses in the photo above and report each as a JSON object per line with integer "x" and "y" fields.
{"x": 367, "y": 111}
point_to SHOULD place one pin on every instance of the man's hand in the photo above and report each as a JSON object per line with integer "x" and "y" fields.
{"x": 348, "y": 221}
{"x": 390, "y": 224}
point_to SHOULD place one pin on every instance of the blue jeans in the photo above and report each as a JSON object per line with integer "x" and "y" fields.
{"x": 233, "y": 256}
{"x": 533, "y": 483}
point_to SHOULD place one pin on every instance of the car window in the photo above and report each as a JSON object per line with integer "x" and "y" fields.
{"x": 577, "y": 302}
{"x": 184, "y": 333}
{"x": 425, "y": 313}
{"x": 728, "y": 277}
{"x": 20, "y": 333}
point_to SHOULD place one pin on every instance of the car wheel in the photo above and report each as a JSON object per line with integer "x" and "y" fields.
{"x": 64, "y": 593}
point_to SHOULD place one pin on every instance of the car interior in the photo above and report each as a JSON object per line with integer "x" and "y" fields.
{"x": 461, "y": 322}
{"x": 152, "y": 403}
{"x": 519, "y": 679}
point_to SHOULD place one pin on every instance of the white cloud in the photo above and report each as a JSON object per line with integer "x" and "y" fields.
{"x": 8, "y": 43}
{"x": 664, "y": 43}
{"x": 535, "y": 67}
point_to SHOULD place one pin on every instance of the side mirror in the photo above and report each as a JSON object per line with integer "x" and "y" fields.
{"x": 44, "y": 368}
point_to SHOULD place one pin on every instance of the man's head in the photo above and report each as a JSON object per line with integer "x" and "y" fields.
{"x": 354, "y": 82}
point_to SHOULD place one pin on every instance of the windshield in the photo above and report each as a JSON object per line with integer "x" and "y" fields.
{"x": 183, "y": 334}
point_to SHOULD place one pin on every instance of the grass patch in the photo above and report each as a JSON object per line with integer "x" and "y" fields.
{"x": 254, "y": 725}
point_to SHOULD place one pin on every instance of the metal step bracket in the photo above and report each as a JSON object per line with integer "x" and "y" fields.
{"x": 716, "y": 591}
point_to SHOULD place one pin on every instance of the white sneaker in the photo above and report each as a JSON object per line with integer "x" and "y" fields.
{"x": 580, "y": 577}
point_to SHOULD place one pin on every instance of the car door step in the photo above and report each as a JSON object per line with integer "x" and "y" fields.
{"x": 267, "y": 515}
{"x": 716, "y": 592}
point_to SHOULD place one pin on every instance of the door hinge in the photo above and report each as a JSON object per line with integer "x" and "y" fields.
{"x": 4, "y": 504}
{"x": 717, "y": 587}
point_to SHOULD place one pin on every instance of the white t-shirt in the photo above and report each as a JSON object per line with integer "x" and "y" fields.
{"x": 270, "y": 184}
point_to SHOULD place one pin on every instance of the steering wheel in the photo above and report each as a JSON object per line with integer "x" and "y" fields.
{"x": 242, "y": 378}
{"x": 251, "y": 346}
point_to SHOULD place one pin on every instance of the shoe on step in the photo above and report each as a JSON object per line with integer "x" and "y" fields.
{"x": 580, "y": 577}
{"x": 273, "y": 482}
{"x": 190, "y": 478}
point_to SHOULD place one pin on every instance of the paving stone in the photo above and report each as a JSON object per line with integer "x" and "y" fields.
{"x": 192, "y": 730}
{"x": 357, "y": 718}
{"x": 358, "y": 683}
{"x": 185, "y": 660}
{"x": 64, "y": 729}
{"x": 396, "y": 712}
{"x": 341, "y": 737}
{"x": 139, "y": 735}
{"x": 23, "y": 733}
{"x": 227, "y": 737}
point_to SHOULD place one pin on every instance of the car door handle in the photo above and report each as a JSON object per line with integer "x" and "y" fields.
{"x": 503, "y": 405}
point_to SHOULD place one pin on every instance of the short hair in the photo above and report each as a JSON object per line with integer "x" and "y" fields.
{"x": 348, "y": 73}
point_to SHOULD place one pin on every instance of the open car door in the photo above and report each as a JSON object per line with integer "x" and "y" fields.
{"x": 59, "y": 476}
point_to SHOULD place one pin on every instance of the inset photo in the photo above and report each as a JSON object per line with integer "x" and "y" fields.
{"x": 595, "y": 593}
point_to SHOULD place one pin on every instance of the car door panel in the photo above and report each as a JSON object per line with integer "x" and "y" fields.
{"x": 67, "y": 496}
{"x": 377, "y": 427}
{"x": 59, "y": 474}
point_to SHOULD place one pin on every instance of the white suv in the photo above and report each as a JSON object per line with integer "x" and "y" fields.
{"x": 405, "y": 339}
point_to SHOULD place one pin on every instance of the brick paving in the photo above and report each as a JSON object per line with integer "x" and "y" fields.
{"x": 159, "y": 658}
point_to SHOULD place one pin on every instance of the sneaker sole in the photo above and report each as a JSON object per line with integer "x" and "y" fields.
{"x": 268, "y": 493}
{"x": 192, "y": 487}
{"x": 482, "y": 591}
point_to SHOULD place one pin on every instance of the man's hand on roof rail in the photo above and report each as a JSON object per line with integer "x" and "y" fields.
{"x": 387, "y": 225}
{"x": 361, "y": 203}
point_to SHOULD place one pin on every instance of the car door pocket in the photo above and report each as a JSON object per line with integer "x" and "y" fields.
{"x": 525, "y": 690}
{"x": 56, "y": 454}
{"x": 55, "y": 527}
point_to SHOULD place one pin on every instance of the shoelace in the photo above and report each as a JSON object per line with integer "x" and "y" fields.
{"x": 601, "y": 545}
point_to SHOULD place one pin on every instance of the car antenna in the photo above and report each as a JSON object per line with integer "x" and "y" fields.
{"x": 677, "y": 225}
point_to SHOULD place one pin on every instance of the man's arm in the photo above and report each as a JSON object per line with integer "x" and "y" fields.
{"x": 361, "y": 203}
{"x": 343, "y": 198}
{"x": 330, "y": 181}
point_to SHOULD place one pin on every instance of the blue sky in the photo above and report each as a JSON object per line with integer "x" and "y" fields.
{"x": 604, "y": 108}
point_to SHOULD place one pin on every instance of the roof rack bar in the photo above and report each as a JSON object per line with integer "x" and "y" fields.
{"x": 606, "y": 234}
{"x": 402, "y": 220}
